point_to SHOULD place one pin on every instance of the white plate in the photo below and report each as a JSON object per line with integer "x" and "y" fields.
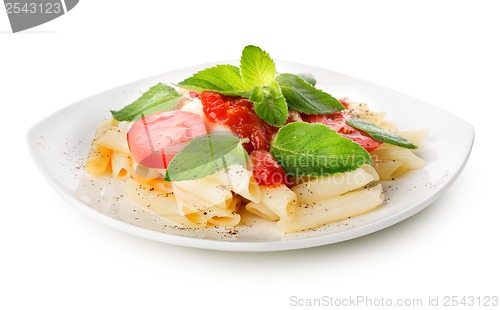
{"x": 59, "y": 145}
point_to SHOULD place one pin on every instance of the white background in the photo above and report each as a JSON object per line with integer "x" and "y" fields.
{"x": 55, "y": 257}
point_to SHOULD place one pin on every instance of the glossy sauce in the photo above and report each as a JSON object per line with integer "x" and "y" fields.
{"x": 239, "y": 116}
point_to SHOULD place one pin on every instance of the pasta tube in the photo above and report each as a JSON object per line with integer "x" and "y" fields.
{"x": 311, "y": 215}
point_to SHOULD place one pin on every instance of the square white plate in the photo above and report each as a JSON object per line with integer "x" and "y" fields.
{"x": 59, "y": 145}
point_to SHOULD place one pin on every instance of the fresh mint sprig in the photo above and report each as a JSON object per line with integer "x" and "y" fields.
{"x": 273, "y": 95}
{"x": 269, "y": 104}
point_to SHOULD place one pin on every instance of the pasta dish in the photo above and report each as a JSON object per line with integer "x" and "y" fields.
{"x": 229, "y": 140}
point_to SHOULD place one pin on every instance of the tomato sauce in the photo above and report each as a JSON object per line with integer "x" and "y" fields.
{"x": 337, "y": 122}
{"x": 238, "y": 114}
{"x": 266, "y": 170}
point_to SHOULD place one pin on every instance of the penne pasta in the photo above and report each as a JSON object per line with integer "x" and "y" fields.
{"x": 280, "y": 200}
{"x": 326, "y": 211}
{"x": 114, "y": 139}
{"x": 416, "y": 136}
{"x": 99, "y": 158}
{"x": 203, "y": 192}
{"x": 145, "y": 172}
{"x": 389, "y": 169}
{"x": 188, "y": 204}
{"x": 162, "y": 185}
{"x": 222, "y": 217}
{"x": 160, "y": 202}
{"x": 121, "y": 165}
{"x": 240, "y": 181}
{"x": 235, "y": 204}
{"x": 98, "y": 161}
{"x": 387, "y": 125}
{"x": 261, "y": 211}
{"x": 334, "y": 185}
{"x": 402, "y": 160}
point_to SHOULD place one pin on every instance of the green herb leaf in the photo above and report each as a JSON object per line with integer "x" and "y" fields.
{"x": 303, "y": 97}
{"x": 204, "y": 156}
{"x": 257, "y": 67}
{"x": 269, "y": 104}
{"x": 304, "y": 149}
{"x": 158, "y": 98}
{"x": 223, "y": 79}
{"x": 380, "y": 134}
{"x": 309, "y": 78}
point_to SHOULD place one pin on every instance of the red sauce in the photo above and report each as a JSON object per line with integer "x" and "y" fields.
{"x": 337, "y": 122}
{"x": 238, "y": 114}
{"x": 345, "y": 102}
{"x": 266, "y": 170}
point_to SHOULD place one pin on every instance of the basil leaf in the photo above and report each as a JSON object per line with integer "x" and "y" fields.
{"x": 223, "y": 79}
{"x": 257, "y": 67}
{"x": 158, "y": 98}
{"x": 380, "y": 134}
{"x": 304, "y": 149}
{"x": 309, "y": 78}
{"x": 204, "y": 156}
{"x": 303, "y": 97}
{"x": 269, "y": 104}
